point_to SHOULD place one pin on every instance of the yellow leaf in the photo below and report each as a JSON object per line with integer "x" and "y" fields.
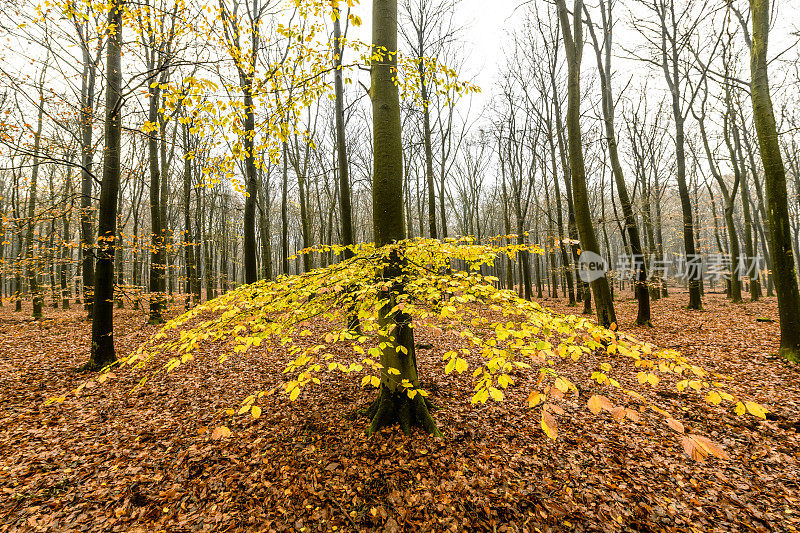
{"x": 740, "y": 409}
{"x": 534, "y": 399}
{"x": 562, "y": 384}
{"x": 375, "y": 381}
{"x": 256, "y": 411}
{"x": 480, "y": 397}
{"x": 461, "y": 365}
{"x": 549, "y": 425}
{"x": 393, "y": 371}
{"x": 726, "y": 396}
{"x": 756, "y": 410}
{"x": 294, "y": 394}
{"x": 714, "y": 398}
{"x": 497, "y": 394}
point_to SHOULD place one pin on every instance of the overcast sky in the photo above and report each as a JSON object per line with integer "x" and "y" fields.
{"x": 487, "y": 25}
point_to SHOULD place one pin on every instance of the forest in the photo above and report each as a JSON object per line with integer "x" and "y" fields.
{"x": 399, "y": 265}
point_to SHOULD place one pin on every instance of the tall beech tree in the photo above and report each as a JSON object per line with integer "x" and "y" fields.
{"x": 783, "y": 265}
{"x": 244, "y": 52}
{"x": 31, "y": 261}
{"x": 102, "y": 351}
{"x": 603, "y": 55}
{"x": 573, "y": 45}
{"x": 158, "y": 32}
{"x": 672, "y": 34}
{"x": 345, "y": 206}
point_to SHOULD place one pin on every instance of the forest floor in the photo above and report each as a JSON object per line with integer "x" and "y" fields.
{"x": 146, "y": 461}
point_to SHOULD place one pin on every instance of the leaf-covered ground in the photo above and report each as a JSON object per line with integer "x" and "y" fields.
{"x": 120, "y": 461}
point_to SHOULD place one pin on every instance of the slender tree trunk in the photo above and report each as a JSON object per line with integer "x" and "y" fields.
{"x": 29, "y": 245}
{"x": 730, "y": 206}
{"x": 562, "y": 245}
{"x": 671, "y": 65}
{"x": 345, "y": 208}
{"x": 285, "y": 213}
{"x": 573, "y": 41}
{"x": 264, "y": 226}
{"x": 88, "y": 80}
{"x": 65, "y": 268}
{"x": 637, "y": 252}
{"x": 188, "y": 244}
{"x": 426, "y": 136}
{"x": 305, "y": 226}
{"x": 102, "y": 352}
{"x": 749, "y": 248}
{"x": 157, "y": 242}
{"x": 251, "y": 176}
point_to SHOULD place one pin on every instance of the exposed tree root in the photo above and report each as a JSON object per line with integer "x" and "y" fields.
{"x": 396, "y": 407}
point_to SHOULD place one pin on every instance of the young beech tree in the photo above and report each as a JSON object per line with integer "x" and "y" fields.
{"x": 497, "y": 336}
{"x": 397, "y": 337}
{"x": 395, "y": 283}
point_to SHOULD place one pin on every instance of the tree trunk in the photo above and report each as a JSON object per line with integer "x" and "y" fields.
{"x": 285, "y": 213}
{"x": 157, "y": 244}
{"x": 102, "y": 352}
{"x": 637, "y": 252}
{"x": 562, "y": 245}
{"x": 774, "y": 187}
{"x": 396, "y": 334}
{"x": 193, "y": 288}
{"x": 426, "y": 136}
{"x": 29, "y": 252}
{"x": 251, "y": 177}
{"x": 574, "y": 47}
{"x": 88, "y": 80}
{"x": 345, "y": 208}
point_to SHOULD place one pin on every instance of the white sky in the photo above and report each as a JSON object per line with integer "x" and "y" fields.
{"x": 488, "y": 22}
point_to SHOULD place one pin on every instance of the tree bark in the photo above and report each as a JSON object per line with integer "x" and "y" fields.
{"x": 31, "y": 263}
{"x": 573, "y": 41}
{"x": 396, "y": 334}
{"x": 345, "y": 207}
{"x": 102, "y": 352}
{"x": 775, "y": 186}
